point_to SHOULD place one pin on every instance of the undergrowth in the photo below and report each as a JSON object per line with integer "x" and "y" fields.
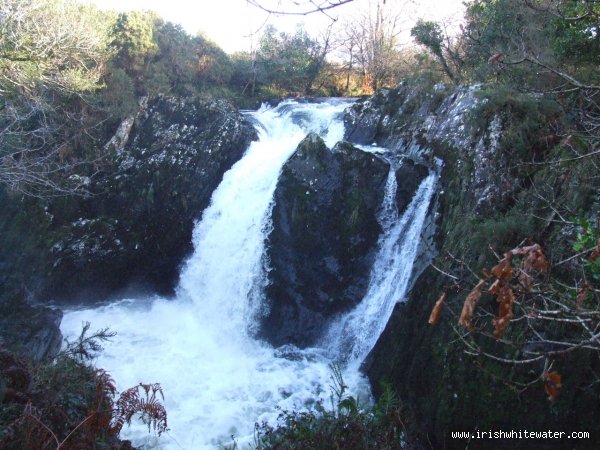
{"x": 347, "y": 425}
{"x": 69, "y": 404}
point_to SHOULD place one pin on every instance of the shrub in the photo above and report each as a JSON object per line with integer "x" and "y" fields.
{"x": 345, "y": 426}
{"x": 69, "y": 404}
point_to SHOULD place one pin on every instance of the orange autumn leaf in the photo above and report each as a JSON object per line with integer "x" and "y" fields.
{"x": 497, "y": 57}
{"x": 436, "y": 312}
{"x": 552, "y": 385}
{"x": 495, "y": 287}
{"x": 469, "y": 305}
{"x": 504, "y": 270}
{"x": 501, "y": 323}
{"x": 536, "y": 259}
{"x": 506, "y": 298}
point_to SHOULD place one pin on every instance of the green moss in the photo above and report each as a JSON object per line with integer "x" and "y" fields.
{"x": 525, "y": 119}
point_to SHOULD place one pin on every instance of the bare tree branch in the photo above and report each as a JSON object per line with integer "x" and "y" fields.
{"x": 298, "y": 8}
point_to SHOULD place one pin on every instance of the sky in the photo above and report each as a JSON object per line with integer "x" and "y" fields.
{"x": 234, "y": 24}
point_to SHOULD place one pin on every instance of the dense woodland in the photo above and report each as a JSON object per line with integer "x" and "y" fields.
{"x": 69, "y": 74}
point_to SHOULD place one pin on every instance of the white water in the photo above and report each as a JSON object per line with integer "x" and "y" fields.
{"x": 352, "y": 336}
{"x": 218, "y": 380}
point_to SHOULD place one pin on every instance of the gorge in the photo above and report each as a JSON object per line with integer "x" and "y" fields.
{"x": 320, "y": 232}
{"x": 399, "y": 250}
{"x": 218, "y": 378}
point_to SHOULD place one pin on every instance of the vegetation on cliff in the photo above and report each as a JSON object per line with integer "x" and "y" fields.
{"x": 67, "y": 403}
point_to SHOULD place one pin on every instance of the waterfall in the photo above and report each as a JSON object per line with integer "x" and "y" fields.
{"x": 218, "y": 380}
{"x": 352, "y": 336}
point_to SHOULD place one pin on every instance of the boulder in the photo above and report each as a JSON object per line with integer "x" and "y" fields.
{"x": 324, "y": 235}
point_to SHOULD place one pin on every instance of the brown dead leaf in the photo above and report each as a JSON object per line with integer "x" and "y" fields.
{"x": 506, "y": 298}
{"x": 501, "y": 323}
{"x": 504, "y": 270}
{"x": 495, "y": 287}
{"x": 552, "y": 385}
{"x": 469, "y": 305}
{"x": 497, "y": 57}
{"x": 436, "y": 312}
{"x": 535, "y": 259}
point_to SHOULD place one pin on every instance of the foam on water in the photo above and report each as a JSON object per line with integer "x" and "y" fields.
{"x": 217, "y": 379}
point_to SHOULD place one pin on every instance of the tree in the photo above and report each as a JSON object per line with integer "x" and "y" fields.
{"x": 175, "y": 60}
{"x": 429, "y": 34}
{"x": 545, "y": 47}
{"x": 134, "y": 41}
{"x": 576, "y": 31}
{"x": 213, "y": 65}
{"x": 45, "y": 74}
{"x": 496, "y": 33}
{"x": 372, "y": 41}
{"x": 290, "y": 62}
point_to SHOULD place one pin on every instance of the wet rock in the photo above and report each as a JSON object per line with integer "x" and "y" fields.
{"x": 136, "y": 229}
{"x": 415, "y": 122}
{"x": 324, "y": 235}
{"x": 32, "y": 331}
{"x": 481, "y": 201}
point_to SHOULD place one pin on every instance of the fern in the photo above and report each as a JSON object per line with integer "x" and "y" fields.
{"x": 388, "y": 402}
{"x": 67, "y": 404}
{"x": 141, "y": 399}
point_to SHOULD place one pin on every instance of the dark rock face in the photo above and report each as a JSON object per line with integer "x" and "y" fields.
{"x": 324, "y": 235}
{"x": 136, "y": 228}
{"x": 32, "y": 331}
{"x": 133, "y": 231}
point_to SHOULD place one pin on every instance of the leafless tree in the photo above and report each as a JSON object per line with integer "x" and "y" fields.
{"x": 371, "y": 43}
{"x": 51, "y": 51}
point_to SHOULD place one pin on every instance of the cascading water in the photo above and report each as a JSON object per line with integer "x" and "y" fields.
{"x": 218, "y": 380}
{"x": 352, "y": 336}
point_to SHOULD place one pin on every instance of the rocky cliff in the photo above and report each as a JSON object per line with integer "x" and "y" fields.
{"x": 138, "y": 228}
{"x": 324, "y": 235}
{"x": 490, "y": 200}
{"x": 133, "y": 229}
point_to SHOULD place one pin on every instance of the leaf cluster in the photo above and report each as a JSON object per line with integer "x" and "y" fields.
{"x": 537, "y": 320}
